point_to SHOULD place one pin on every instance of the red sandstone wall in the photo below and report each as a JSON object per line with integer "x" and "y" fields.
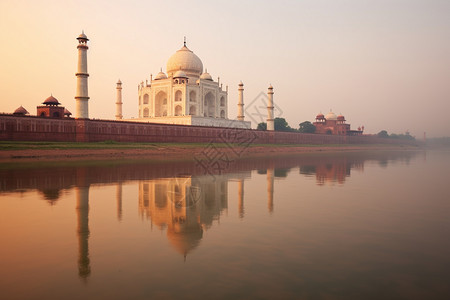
{"x": 31, "y": 128}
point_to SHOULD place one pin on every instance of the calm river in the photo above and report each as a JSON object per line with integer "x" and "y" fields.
{"x": 357, "y": 225}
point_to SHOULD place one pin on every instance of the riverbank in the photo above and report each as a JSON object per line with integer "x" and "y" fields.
{"x": 50, "y": 151}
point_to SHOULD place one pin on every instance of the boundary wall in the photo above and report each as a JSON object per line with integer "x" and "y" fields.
{"x": 33, "y": 128}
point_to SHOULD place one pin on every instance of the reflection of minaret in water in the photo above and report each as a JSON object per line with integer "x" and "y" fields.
{"x": 241, "y": 198}
{"x": 270, "y": 180}
{"x": 82, "y": 195}
{"x": 119, "y": 200}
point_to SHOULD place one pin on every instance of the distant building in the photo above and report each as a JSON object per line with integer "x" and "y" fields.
{"x": 21, "y": 111}
{"x": 51, "y": 109}
{"x": 334, "y": 125}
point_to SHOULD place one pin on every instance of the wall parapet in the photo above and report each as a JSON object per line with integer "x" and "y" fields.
{"x": 33, "y": 128}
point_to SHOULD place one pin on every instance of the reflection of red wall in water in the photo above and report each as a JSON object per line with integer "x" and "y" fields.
{"x": 32, "y": 128}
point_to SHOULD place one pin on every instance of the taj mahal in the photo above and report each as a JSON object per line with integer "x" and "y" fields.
{"x": 186, "y": 94}
{"x": 184, "y": 103}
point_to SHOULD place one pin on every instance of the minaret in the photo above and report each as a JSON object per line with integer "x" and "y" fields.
{"x": 119, "y": 101}
{"x": 240, "y": 115}
{"x": 270, "y": 123}
{"x": 81, "y": 96}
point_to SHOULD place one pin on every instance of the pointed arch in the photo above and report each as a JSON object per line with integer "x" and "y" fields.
{"x": 160, "y": 104}
{"x": 178, "y": 96}
{"x": 178, "y": 110}
{"x": 192, "y": 110}
{"x": 192, "y": 96}
{"x": 210, "y": 105}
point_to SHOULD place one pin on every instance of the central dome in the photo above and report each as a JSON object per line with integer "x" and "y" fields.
{"x": 331, "y": 116}
{"x": 185, "y": 60}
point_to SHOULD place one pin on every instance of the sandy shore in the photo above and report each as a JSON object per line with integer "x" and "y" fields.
{"x": 177, "y": 152}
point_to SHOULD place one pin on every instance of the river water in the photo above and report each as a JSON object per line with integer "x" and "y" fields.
{"x": 355, "y": 225}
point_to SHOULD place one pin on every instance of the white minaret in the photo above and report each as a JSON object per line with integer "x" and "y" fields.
{"x": 240, "y": 115}
{"x": 81, "y": 96}
{"x": 270, "y": 124}
{"x": 119, "y": 101}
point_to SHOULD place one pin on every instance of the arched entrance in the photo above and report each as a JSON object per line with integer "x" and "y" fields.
{"x": 178, "y": 110}
{"x": 192, "y": 96}
{"x": 178, "y": 95}
{"x": 160, "y": 104}
{"x": 192, "y": 110}
{"x": 210, "y": 105}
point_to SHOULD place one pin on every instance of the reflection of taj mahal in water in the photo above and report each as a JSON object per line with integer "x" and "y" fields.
{"x": 184, "y": 206}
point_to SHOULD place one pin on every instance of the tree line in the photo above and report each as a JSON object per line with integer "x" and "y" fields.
{"x": 401, "y": 136}
{"x": 281, "y": 124}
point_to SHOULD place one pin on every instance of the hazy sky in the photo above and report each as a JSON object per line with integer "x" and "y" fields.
{"x": 382, "y": 64}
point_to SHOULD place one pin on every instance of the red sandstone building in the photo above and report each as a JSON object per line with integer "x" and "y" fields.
{"x": 52, "y": 109}
{"x": 334, "y": 125}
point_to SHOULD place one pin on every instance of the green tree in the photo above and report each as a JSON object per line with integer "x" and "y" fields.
{"x": 383, "y": 134}
{"x": 281, "y": 124}
{"x": 307, "y": 127}
{"x": 262, "y": 126}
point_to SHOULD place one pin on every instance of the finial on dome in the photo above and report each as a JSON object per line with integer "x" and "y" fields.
{"x": 82, "y": 38}
{"x": 184, "y": 41}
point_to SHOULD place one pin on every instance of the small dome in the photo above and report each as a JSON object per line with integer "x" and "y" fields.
{"x": 51, "y": 101}
{"x": 331, "y": 116}
{"x": 82, "y": 36}
{"x": 179, "y": 74}
{"x": 340, "y": 118}
{"x": 206, "y": 76}
{"x": 320, "y": 116}
{"x": 160, "y": 75}
{"x": 184, "y": 59}
{"x": 21, "y": 111}
{"x": 119, "y": 82}
{"x": 67, "y": 112}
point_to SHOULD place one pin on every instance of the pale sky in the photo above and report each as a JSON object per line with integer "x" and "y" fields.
{"x": 384, "y": 64}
